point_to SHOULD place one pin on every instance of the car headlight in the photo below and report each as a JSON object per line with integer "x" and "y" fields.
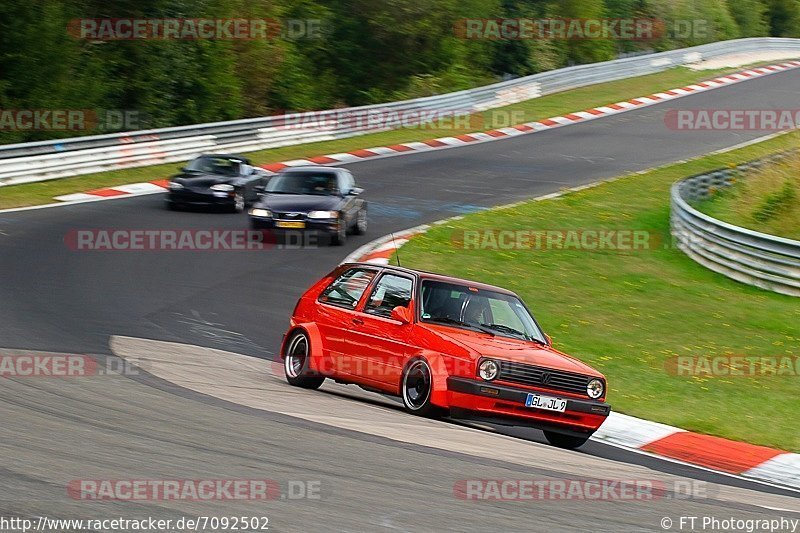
{"x": 595, "y": 388}
{"x": 222, "y": 187}
{"x": 488, "y": 369}
{"x": 264, "y": 213}
{"x": 323, "y": 214}
{"x": 173, "y": 186}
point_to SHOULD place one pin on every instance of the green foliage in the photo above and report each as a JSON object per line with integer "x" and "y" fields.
{"x": 765, "y": 200}
{"x": 367, "y": 51}
{"x": 784, "y": 17}
{"x": 750, "y": 16}
{"x": 775, "y": 203}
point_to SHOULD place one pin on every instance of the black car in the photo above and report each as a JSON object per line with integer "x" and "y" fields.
{"x": 217, "y": 180}
{"x": 322, "y": 199}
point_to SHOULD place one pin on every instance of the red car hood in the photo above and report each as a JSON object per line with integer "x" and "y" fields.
{"x": 513, "y": 350}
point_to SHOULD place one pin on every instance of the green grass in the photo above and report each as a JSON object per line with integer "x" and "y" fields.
{"x": 530, "y": 110}
{"x": 767, "y": 200}
{"x": 627, "y": 313}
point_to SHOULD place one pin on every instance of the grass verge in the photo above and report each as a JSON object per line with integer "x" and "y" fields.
{"x": 767, "y": 200}
{"x": 539, "y": 108}
{"x": 627, "y": 313}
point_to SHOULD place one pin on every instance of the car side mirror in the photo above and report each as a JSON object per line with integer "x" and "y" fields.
{"x": 355, "y": 191}
{"x": 184, "y": 169}
{"x": 402, "y": 314}
{"x": 260, "y": 189}
{"x": 548, "y": 339}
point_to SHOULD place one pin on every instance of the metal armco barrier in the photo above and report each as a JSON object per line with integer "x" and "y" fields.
{"x": 29, "y": 162}
{"x": 765, "y": 261}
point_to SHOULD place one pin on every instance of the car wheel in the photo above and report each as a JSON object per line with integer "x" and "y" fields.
{"x": 238, "y": 202}
{"x": 295, "y": 363}
{"x": 416, "y": 388}
{"x": 361, "y": 222}
{"x": 564, "y": 441}
{"x": 340, "y": 237}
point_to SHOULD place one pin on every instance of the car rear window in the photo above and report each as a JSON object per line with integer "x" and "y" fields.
{"x": 347, "y": 289}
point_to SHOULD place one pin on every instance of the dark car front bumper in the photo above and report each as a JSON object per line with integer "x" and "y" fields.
{"x": 320, "y": 225}
{"x": 189, "y": 197}
{"x": 505, "y": 405}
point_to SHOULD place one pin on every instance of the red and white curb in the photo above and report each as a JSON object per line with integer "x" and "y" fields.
{"x": 758, "y": 463}
{"x": 465, "y": 139}
{"x": 714, "y": 453}
{"x": 120, "y": 191}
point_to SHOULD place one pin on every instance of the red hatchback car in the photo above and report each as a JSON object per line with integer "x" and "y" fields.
{"x": 446, "y": 346}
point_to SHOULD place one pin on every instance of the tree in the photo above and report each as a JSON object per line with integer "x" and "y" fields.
{"x": 784, "y": 18}
{"x": 750, "y": 16}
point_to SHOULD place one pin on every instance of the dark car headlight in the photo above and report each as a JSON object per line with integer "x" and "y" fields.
{"x": 259, "y": 212}
{"x": 595, "y": 388}
{"x": 174, "y": 186}
{"x": 488, "y": 369}
{"x": 323, "y": 214}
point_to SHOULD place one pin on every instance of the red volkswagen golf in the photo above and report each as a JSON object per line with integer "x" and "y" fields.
{"x": 446, "y": 346}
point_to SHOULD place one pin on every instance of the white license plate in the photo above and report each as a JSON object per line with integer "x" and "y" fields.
{"x": 291, "y": 225}
{"x": 546, "y": 402}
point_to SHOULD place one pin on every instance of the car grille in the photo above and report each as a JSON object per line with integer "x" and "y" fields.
{"x": 543, "y": 377}
{"x": 288, "y": 215}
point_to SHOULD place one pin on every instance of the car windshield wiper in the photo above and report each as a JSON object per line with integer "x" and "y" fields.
{"x": 509, "y": 330}
{"x": 454, "y": 322}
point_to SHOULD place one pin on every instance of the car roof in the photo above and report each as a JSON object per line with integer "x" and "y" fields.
{"x": 310, "y": 168}
{"x": 227, "y": 156}
{"x": 422, "y": 274}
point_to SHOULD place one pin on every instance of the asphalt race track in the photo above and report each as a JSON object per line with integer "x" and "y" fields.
{"x": 231, "y": 417}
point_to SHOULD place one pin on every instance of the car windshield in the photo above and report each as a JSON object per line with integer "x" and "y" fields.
{"x": 468, "y": 307}
{"x": 214, "y": 165}
{"x": 321, "y": 184}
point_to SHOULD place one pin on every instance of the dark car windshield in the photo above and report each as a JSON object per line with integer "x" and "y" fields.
{"x": 322, "y": 183}
{"x": 215, "y": 165}
{"x": 468, "y": 307}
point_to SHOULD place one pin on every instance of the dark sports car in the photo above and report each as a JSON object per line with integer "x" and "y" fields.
{"x": 217, "y": 180}
{"x": 322, "y": 199}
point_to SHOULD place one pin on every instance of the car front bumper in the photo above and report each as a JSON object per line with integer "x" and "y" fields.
{"x": 505, "y": 405}
{"x": 321, "y": 225}
{"x": 200, "y": 198}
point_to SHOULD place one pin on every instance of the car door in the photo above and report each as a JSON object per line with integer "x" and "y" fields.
{"x": 377, "y": 343}
{"x": 335, "y": 315}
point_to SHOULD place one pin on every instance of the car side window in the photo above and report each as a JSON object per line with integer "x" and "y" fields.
{"x": 390, "y": 292}
{"x": 346, "y": 290}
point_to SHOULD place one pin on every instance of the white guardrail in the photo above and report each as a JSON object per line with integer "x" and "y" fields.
{"x": 38, "y": 161}
{"x": 765, "y": 261}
